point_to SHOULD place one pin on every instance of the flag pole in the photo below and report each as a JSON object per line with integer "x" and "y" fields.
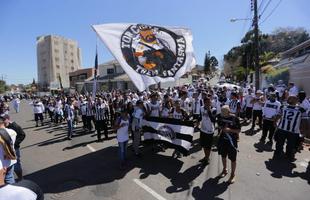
{"x": 96, "y": 71}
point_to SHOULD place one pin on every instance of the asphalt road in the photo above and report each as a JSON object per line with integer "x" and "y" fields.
{"x": 83, "y": 169}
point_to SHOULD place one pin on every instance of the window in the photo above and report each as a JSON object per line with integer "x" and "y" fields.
{"x": 71, "y": 54}
{"x": 56, "y": 51}
{"x": 57, "y": 66}
{"x": 57, "y": 75}
{"x": 72, "y": 61}
{"x": 44, "y": 60}
{"x": 56, "y": 43}
{"x": 82, "y": 76}
{"x": 110, "y": 71}
{"x": 72, "y": 68}
{"x": 56, "y": 59}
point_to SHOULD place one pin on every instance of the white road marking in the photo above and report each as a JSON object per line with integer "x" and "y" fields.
{"x": 92, "y": 149}
{"x": 149, "y": 190}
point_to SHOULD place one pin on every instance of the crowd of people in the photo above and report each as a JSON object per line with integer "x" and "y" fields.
{"x": 281, "y": 113}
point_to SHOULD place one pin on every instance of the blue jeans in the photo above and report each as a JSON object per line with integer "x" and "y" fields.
{"x": 16, "y": 107}
{"x": 70, "y": 127}
{"x": 18, "y": 166}
{"x": 122, "y": 150}
{"x": 9, "y": 177}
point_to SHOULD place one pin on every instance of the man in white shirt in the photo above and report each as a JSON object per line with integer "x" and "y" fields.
{"x": 281, "y": 87}
{"x": 293, "y": 90}
{"x": 271, "y": 111}
{"x": 248, "y": 105}
{"x": 258, "y": 103}
{"x": 16, "y": 103}
{"x": 305, "y": 116}
{"x": 38, "y": 109}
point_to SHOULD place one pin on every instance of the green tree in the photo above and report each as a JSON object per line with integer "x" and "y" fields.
{"x": 207, "y": 64}
{"x": 210, "y": 63}
{"x": 213, "y": 63}
{"x": 3, "y": 86}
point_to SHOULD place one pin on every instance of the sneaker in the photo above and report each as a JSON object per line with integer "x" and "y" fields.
{"x": 269, "y": 143}
{"x": 205, "y": 162}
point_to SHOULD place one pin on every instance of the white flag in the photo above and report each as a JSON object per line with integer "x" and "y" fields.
{"x": 149, "y": 54}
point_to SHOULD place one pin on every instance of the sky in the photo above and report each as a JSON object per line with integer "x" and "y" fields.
{"x": 21, "y": 21}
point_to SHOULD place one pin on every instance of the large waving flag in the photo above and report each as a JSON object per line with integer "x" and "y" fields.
{"x": 149, "y": 54}
{"x": 174, "y": 132}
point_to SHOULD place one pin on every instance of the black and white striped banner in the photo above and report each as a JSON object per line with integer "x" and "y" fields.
{"x": 175, "y": 133}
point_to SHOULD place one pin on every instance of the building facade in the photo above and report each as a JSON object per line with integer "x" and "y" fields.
{"x": 110, "y": 76}
{"x": 80, "y": 75}
{"x": 298, "y": 61}
{"x": 56, "y": 58}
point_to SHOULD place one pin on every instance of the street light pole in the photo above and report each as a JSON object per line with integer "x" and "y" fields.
{"x": 256, "y": 55}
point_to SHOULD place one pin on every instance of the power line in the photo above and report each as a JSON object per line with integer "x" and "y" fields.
{"x": 265, "y": 8}
{"x": 245, "y": 23}
{"x": 272, "y": 11}
{"x": 261, "y": 5}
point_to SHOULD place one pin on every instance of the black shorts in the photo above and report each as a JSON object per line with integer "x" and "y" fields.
{"x": 248, "y": 112}
{"x": 38, "y": 116}
{"x": 225, "y": 148}
{"x": 206, "y": 140}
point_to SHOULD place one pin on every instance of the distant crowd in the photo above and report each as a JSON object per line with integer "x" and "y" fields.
{"x": 281, "y": 112}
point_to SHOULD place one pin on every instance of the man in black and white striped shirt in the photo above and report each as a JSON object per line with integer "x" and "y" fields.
{"x": 289, "y": 128}
{"x": 90, "y": 112}
{"x": 234, "y": 104}
{"x": 100, "y": 118}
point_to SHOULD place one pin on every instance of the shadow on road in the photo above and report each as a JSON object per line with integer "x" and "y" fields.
{"x": 49, "y": 141}
{"x": 280, "y": 168}
{"x": 251, "y": 132}
{"x": 261, "y": 147}
{"x": 210, "y": 190}
{"x": 99, "y": 168}
{"x": 183, "y": 181}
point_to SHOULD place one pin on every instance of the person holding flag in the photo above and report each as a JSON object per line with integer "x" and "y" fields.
{"x": 230, "y": 128}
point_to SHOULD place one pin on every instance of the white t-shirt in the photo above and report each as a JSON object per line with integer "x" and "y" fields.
{"x": 305, "y": 105}
{"x": 38, "y": 107}
{"x": 122, "y": 133}
{"x": 257, "y": 105}
{"x": 165, "y": 112}
{"x": 293, "y": 91}
{"x": 177, "y": 115}
{"x": 271, "y": 109}
{"x": 13, "y": 192}
{"x": 206, "y": 125}
{"x": 247, "y": 100}
{"x": 154, "y": 108}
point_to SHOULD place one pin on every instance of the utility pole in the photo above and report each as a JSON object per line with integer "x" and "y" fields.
{"x": 256, "y": 55}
